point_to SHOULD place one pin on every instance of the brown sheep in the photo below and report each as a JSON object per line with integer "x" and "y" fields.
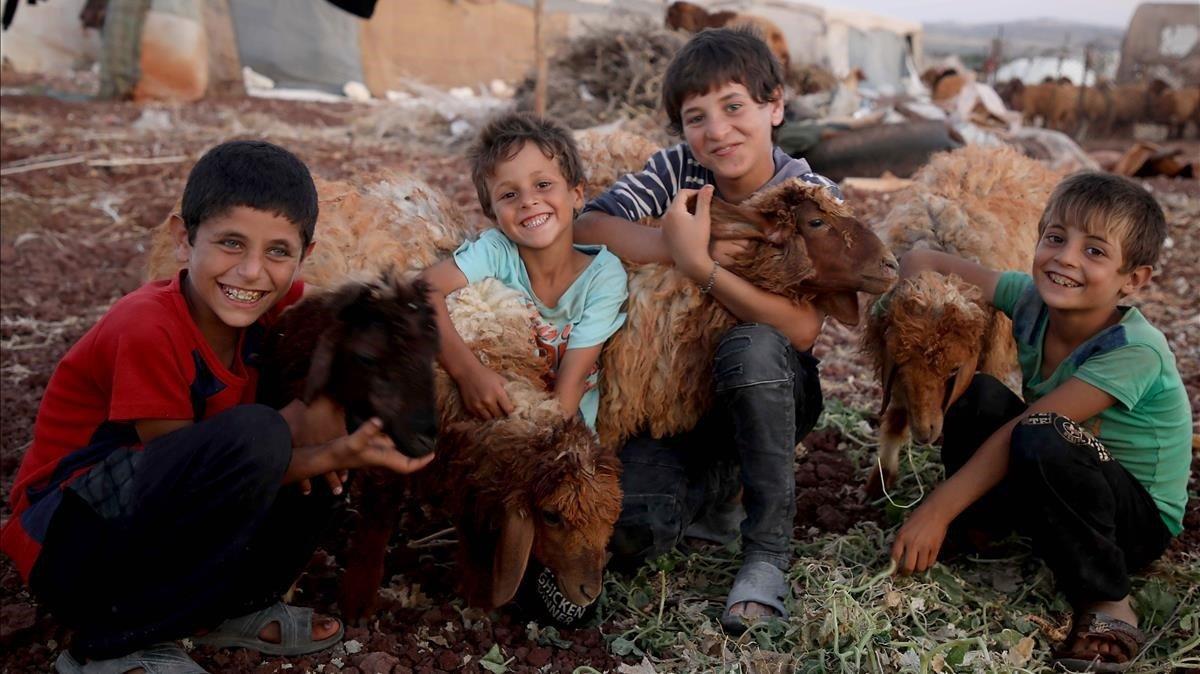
{"x": 694, "y": 18}
{"x": 925, "y": 331}
{"x": 803, "y": 244}
{"x": 1175, "y": 108}
{"x": 982, "y": 204}
{"x": 1130, "y": 105}
{"x": 527, "y": 485}
{"x": 370, "y": 347}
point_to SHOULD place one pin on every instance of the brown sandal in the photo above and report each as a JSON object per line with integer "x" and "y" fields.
{"x": 1073, "y": 657}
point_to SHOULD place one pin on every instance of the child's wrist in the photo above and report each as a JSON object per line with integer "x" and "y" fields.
{"x": 699, "y": 269}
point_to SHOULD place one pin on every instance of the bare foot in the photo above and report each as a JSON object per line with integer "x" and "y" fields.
{"x": 323, "y": 627}
{"x": 752, "y": 610}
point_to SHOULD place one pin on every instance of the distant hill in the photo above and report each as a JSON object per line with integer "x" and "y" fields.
{"x": 1029, "y": 37}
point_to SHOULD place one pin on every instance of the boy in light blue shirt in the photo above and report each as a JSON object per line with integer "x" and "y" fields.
{"x": 530, "y": 182}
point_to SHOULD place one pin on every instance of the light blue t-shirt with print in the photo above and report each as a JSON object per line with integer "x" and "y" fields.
{"x": 587, "y": 314}
{"x": 1149, "y": 428}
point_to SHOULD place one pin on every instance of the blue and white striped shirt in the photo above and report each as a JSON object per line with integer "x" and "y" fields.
{"x": 649, "y": 192}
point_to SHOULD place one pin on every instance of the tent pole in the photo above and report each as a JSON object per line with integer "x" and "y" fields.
{"x": 539, "y": 55}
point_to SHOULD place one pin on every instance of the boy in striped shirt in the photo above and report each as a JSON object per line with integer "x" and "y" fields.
{"x": 723, "y": 92}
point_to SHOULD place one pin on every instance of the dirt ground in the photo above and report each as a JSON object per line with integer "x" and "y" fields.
{"x": 73, "y": 241}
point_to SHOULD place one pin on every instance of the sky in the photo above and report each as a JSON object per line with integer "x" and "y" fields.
{"x": 1103, "y": 12}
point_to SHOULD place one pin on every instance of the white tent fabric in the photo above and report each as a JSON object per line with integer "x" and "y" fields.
{"x": 299, "y": 43}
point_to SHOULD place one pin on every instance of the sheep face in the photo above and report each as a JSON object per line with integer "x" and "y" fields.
{"x": 804, "y": 242}
{"x": 575, "y": 509}
{"x": 556, "y": 500}
{"x": 932, "y": 332}
{"x": 374, "y": 349}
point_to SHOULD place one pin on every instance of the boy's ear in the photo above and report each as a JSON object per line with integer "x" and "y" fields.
{"x": 183, "y": 249}
{"x": 1139, "y": 277}
{"x": 577, "y": 197}
{"x": 308, "y": 251}
{"x": 777, "y": 107}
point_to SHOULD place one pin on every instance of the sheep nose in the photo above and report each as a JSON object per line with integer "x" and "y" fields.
{"x": 890, "y": 262}
{"x": 927, "y": 431}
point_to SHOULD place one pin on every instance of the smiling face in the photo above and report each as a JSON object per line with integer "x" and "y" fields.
{"x": 532, "y": 201}
{"x": 239, "y": 265}
{"x": 1077, "y": 270}
{"x": 730, "y": 134}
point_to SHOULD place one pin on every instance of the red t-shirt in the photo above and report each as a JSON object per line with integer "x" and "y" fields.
{"x": 145, "y": 359}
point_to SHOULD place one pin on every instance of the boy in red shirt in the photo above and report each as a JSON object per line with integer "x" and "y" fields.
{"x": 156, "y": 499}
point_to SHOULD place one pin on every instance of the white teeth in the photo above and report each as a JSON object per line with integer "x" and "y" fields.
{"x": 1061, "y": 280}
{"x": 536, "y": 222}
{"x": 242, "y": 295}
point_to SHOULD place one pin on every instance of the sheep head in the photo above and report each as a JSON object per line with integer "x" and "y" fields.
{"x": 806, "y": 244}
{"x": 927, "y": 331}
{"x": 686, "y": 16}
{"x": 370, "y": 347}
{"x": 560, "y": 510}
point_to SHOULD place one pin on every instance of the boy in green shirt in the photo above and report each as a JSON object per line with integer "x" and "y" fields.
{"x": 1102, "y": 497}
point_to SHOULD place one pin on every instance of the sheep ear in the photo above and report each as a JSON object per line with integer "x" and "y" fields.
{"x": 511, "y": 556}
{"x": 962, "y": 379}
{"x": 730, "y": 221}
{"x": 842, "y": 306}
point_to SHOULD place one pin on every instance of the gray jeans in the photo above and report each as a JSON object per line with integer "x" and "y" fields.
{"x": 768, "y": 398}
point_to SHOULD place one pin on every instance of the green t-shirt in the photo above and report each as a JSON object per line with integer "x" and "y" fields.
{"x": 1149, "y": 429}
{"x": 587, "y": 314}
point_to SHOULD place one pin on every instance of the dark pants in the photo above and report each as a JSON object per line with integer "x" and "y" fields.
{"x": 155, "y": 543}
{"x": 768, "y": 397}
{"x": 1090, "y": 520}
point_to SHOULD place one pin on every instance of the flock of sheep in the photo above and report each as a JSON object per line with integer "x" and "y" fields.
{"x": 535, "y": 486}
{"x": 1105, "y": 110}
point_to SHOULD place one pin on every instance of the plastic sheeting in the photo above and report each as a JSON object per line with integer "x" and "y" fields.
{"x": 299, "y": 43}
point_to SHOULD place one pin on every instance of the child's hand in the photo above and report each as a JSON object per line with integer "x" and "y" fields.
{"x": 919, "y": 540}
{"x": 318, "y": 423}
{"x": 370, "y": 447}
{"x": 687, "y": 234}
{"x": 483, "y": 393}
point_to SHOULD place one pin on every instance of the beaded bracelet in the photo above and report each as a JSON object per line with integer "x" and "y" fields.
{"x": 712, "y": 278}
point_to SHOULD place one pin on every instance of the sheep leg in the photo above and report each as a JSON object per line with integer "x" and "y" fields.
{"x": 893, "y": 435}
{"x": 365, "y": 556}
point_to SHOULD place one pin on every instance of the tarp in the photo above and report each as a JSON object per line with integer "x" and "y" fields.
{"x": 299, "y": 43}
{"x": 1163, "y": 40}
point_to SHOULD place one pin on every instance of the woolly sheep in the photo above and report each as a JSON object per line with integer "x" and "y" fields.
{"x": 370, "y": 347}
{"x": 982, "y": 204}
{"x": 802, "y": 244}
{"x": 531, "y": 484}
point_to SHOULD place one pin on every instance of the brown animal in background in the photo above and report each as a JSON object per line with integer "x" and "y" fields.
{"x": 803, "y": 244}
{"x": 694, "y": 18}
{"x": 962, "y": 203}
{"x": 1093, "y": 111}
{"x": 1176, "y": 108}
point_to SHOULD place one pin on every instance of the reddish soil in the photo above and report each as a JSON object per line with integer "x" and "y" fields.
{"x": 73, "y": 242}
